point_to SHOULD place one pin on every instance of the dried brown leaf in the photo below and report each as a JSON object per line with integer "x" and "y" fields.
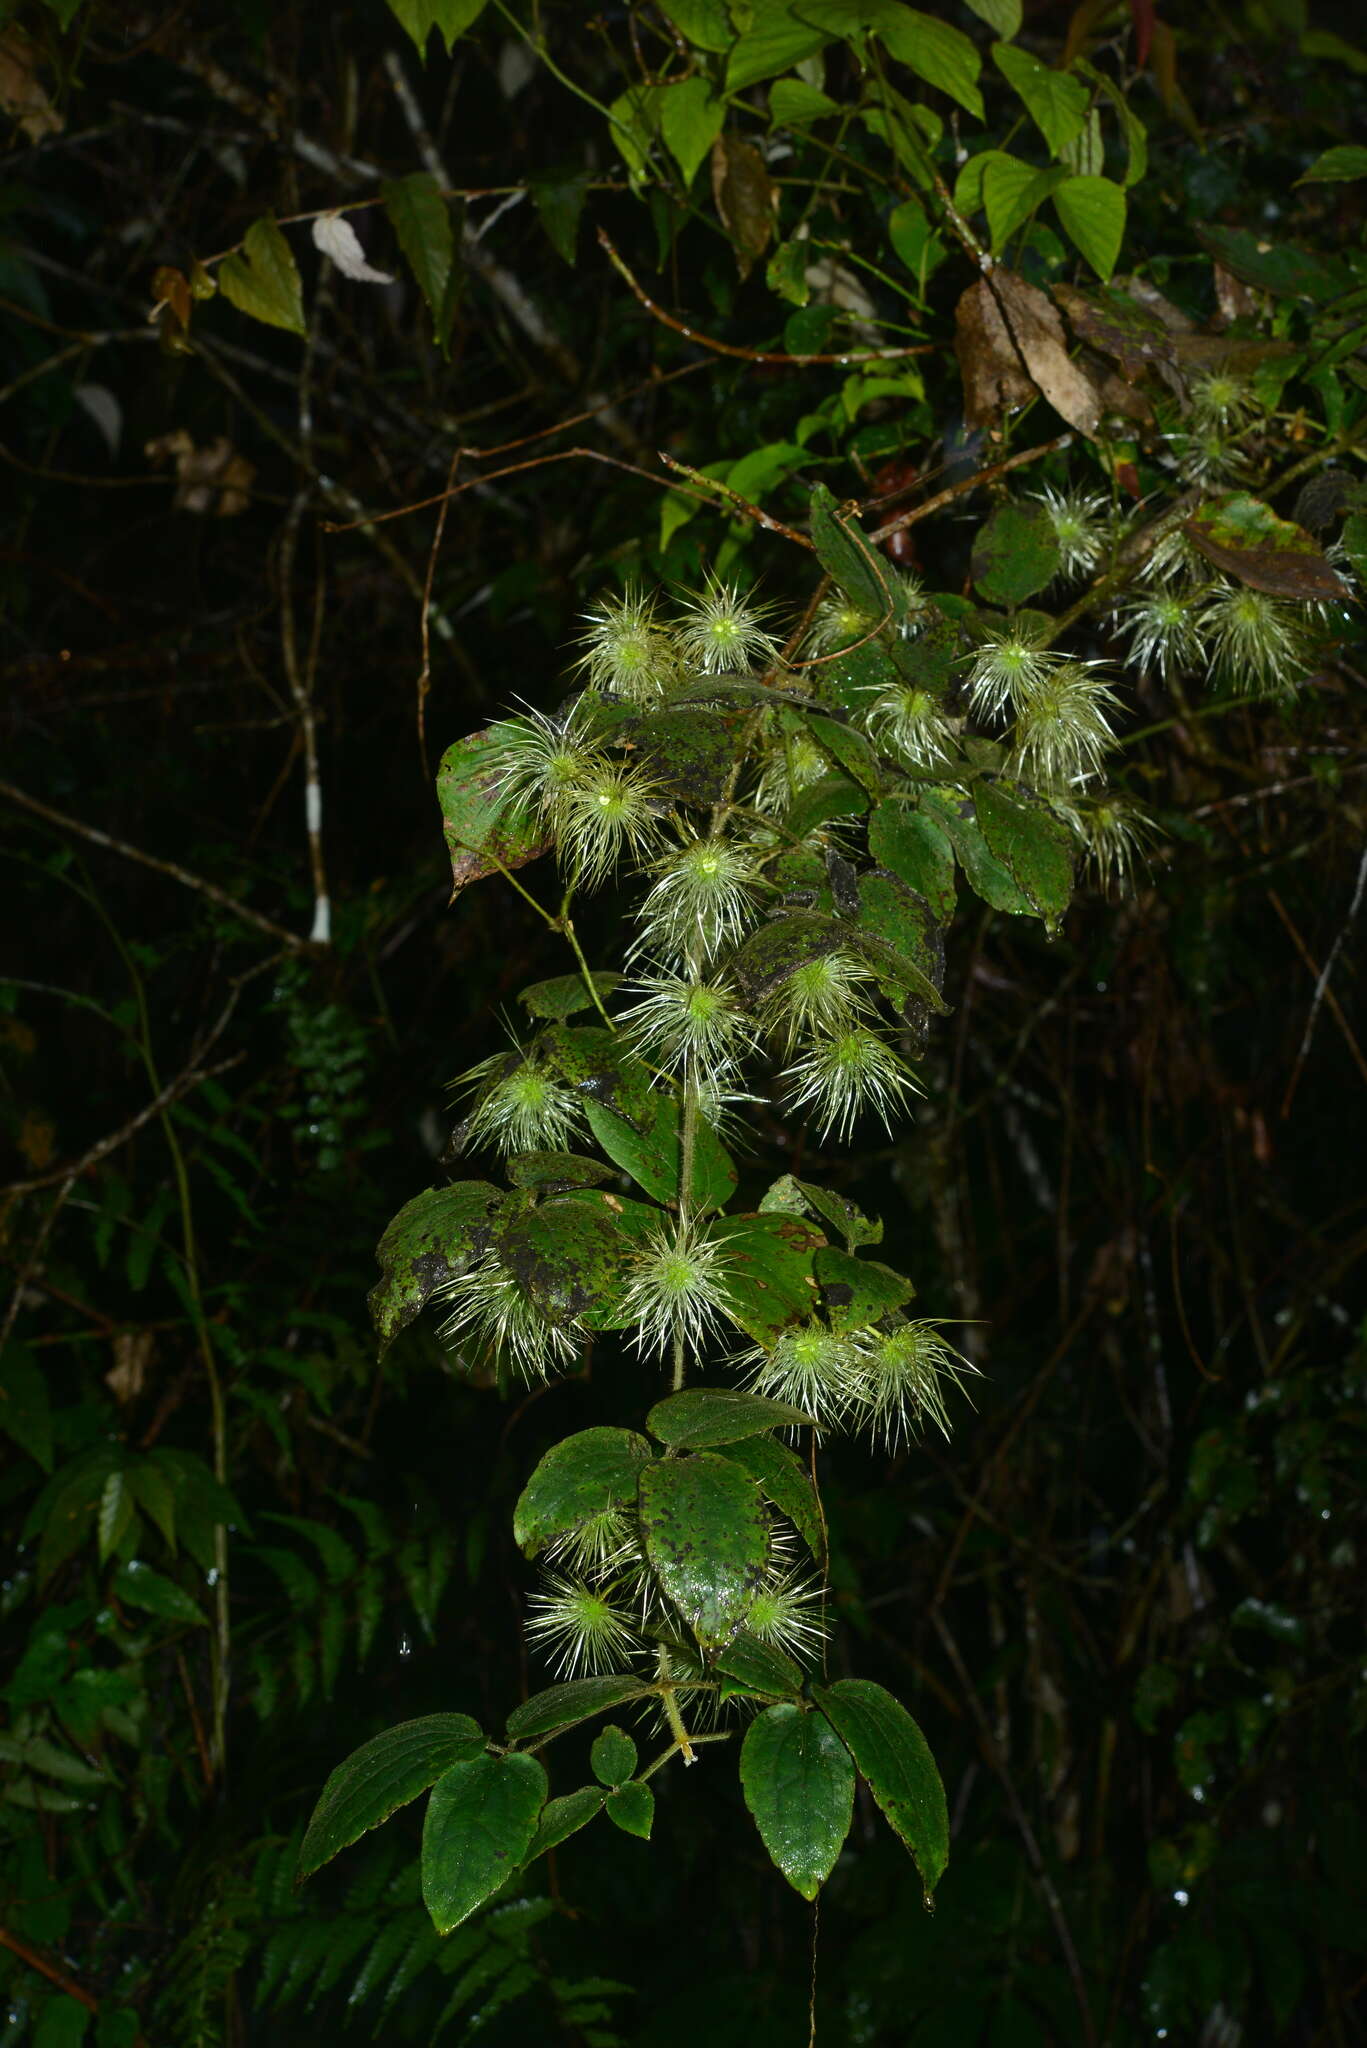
{"x": 1010, "y": 343}
{"x": 746, "y": 198}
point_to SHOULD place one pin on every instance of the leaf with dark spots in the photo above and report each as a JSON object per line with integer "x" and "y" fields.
{"x": 798, "y": 1782}
{"x": 565, "y": 1256}
{"x": 700, "y": 1418}
{"x": 483, "y": 831}
{"x": 707, "y": 1540}
{"x": 586, "y": 1057}
{"x": 913, "y": 846}
{"x": 860, "y": 675}
{"x": 1015, "y": 554}
{"x": 769, "y": 1284}
{"x": 850, "y": 557}
{"x": 1034, "y": 846}
{"x": 831, "y": 796}
{"x": 892, "y": 912}
{"x": 638, "y": 1127}
{"x": 1110, "y": 320}
{"x": 858, "y": 1291}
{"x": 784, "y": 1482}
{"x": 1246, "y": 539}
{"x": 800, "y": 1197}
{"x": 775, "y": 952}
{"x": 929, "y": 660}
{"x": 986, "y": 875}
{"x": 849, "y": 750}
{"x": 480, "y": 1821}
{"x": 556, "y": 1172}
{"x": 433, "y": 1240}
{"x": 687, "y": 753}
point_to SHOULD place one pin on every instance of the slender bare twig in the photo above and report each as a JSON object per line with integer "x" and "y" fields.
{"x": 1322, "y": 984}
{"x": 968, "y": 483}
{"x": 851, "y": 357}
{"x": 151, "y": 860}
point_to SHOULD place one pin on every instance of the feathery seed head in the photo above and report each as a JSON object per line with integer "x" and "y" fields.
{"x": 676, "y": 1290}
{"x": 1079, "y": 523}
{"x": 536, "y": 759}
{"x": 1164, "y": 631}
{"x": 721, "y": 634}
{"x": 701, "y": 902}
{"x": 787, "y": 1612}
{"x": 608, "y": 812}
{"x": 850, "y": 1071}
{"x": 810, "y": 1368}
{"x": 1061, "y": 730}
{"x": 689, "y": 1026}
{"x": 1006, "y": 669}
{"x": 911, "y": 723}
{"x": 626, "y": 650}
{"x": 907, "y": 1372}
{"x": 489, "y": 1307}
{"x": 578, "y": 1628}
{"x": 823, "y": 997}
{"x": 1257, "y": 643}
{"x": 522, "y": 1106}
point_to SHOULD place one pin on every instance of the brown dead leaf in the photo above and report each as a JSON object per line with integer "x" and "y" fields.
{"x": 214, "y": 480}
{"x": 1236, "y": 300}
{"x": 1135, "y": 336}
{"x": 746, "y": 198}
{"x": 133, "y": 1351}
{"x": 37, "y": 1139}
{"x": 23, "y": 96}
{"x": 1010, "y": 343}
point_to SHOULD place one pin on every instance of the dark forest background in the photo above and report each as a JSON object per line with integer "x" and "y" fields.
{"x": 1125, "y": 1599}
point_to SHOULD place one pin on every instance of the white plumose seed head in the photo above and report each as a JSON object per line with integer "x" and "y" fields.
{"x": 788, "y": 1613}
{"x": 847, "y": 1073}
{"x": 1164, "y": 631}
{"x": 810, "y": 1368}
{"x": 824, "y": 997}
{"x": 690, "y": 1026}
{"x": 1256, "y": 641}
{"x": 677, "y": 1290}
{"x": 522, "y": 1108}
{"x": 626, "y": 650}
{"x": 610, "y": 811}
{"x": 1079, "y": 523}
{"x": 907, "y": 1374}
{"x": 1061, "y": 729}
{"x": 579, "y": 1629}
{"x": 489, "y": 1307}
{"x": 1008, "y": 666}
{"x": 721, "y": 634}
{"x": 702, "y": 902}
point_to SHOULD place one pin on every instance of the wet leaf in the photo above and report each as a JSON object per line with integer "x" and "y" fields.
{"x": 849, "y": 750}
{"x": 784, "y": 1483}
{"x": 831, "y": 796}
{"x": 845, "y": 553}
{"x": 631, "y": 1807}
{"x": 1056, "y": 103}
{"x": 856, "y": 1291}
{"x": 798, "y": 1783}
{"x": 769, "y": 1281}
{"x": 801, "y": 1197}
{"x": 581, "y": 1476}
{"x": 707, "y": 1540}
{"x": 566, "y": 995}
{"x": 1015, "y": 554}
{"x": 745, "y": 197}
{"x": 687, "y": 753}
{"x": 760, "y": 1667}
{"x": 893, "y": 1757}
{"x": 262, "y": 280}
{"x": 986, "y": 875}
{"x": 561, "y": 1818}
{"x": 639, "y": 1131}
{"x": 914, "y": 847}
{"x": 563, "y": 1706}
{"x": 701, "y": 1417}
{"x": 1034, "y": 847}
{"x": 566, "y": 1256}
{"x": 380, "y": 1777}
{"x": 556, "y": 1173}
{"x": 483, "y": 832}
{"x": 691, "y": 116}
{"x": 480, "y": 1822}
{"x": 1110, "y": 320}
{"x": 433, "y": 1240}
{"x": 612, "y": 1756}
{"x": 1246, "y": 539}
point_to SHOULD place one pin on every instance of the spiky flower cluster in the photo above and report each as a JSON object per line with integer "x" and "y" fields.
{"x": 602, "y": 1608}
{"x": 1079, "y": 523}
{"x": 889, "y": 1378}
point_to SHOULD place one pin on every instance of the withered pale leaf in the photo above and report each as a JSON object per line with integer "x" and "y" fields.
{"x": 1010, "y": 344}
{"x": 337, "y": 238}
{"x": 745, "y": 196}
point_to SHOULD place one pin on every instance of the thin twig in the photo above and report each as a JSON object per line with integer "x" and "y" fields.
{"x": 514, "y": 469}
{"x": 1322, "y": 984}
{"x": 151, "y": 860}
{"x": 852, "y": 357}
{"x": 742, "y": 505}
{"x": 300, "y": 679}
{"x": 184, "y": 1084}
{"x": 966, "y": 484}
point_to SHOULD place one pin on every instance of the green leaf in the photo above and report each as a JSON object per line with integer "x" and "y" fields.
{"x": 561, "y": 1818}
{"x": 784, "y": 1482}
{"x": 1354, "y": 538}
{"x": 640, "y": 1133}
{"x": 1246, "y": 539}
{"x": 832, "y": 796}
{"x": 914, "y": 847}
{"x": 687, "y": 752}
{"x": 1278, "y": 267}
{"x": 915, "y": 241}
{"x": 705, "y": 23}
{"x": 421, "y": 219}
{"x": 856, "y": 1291}
{"x": 579, "y": 1477}
{"x": 566, "y": 1256}
{"x": 1032, "y": 845}
{"x": 758, "y": 1667}
{"x": 431, "y": 1241}
{"x": 892, "y": 1755}
{"x": 1015, "y": 554}
{"x": 1012, "y": 191}
{"x": 450, "y": 17}
{"x": 578, "y": 1699}
{"x": 64, "y": 2023}
{"x": 943, "y": 56}
{"x": 795, "y": 104}
{"x": 769, "y": 1283}
{"x": 116, "y": 1513}
{"x": 1056, "y": 103}
{"x": 845, "y": 554}
{"x": 798, "y": 1783}
{"x": 1337, "y": 166}
{"x": 566, "y": 995}
{"x": 986, "y": 875}
{"x": 691, "y": 118}
{"x": 632, "y": 1808}
{"x": 786, "y": 274}
{"x": 559, "y": 204}
{"x": 556, "y": 1173}
{"x": 1002, "y": 15}
{"x": 1323, "y": 42}
{"x": 384, "y": 1774}
{"x": 262, "y": 279}
{"x": 801, "y": 1197}
{"x": 25, "y": 1410}
{"x": 848, "y": 749}
{"x": 137, "y": 1585}
{"x": 774, "y": 44}
{"x": 701, "y": 1417}
{"x": 899, "y": 935}
{"x": 484, "y": 833}
{"x": 706, "y": 1538}
{"x": 1092, "y": 211}
{"x": 479, "y": 1825}
{"x": 613, "y": 1755}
